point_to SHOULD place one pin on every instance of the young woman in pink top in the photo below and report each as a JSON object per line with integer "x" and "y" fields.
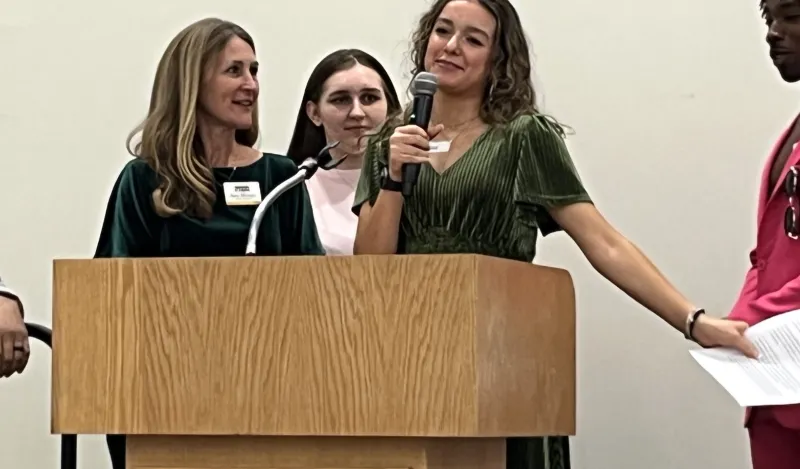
{"x": 348, "y": 95}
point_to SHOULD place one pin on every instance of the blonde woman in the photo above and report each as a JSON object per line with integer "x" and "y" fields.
{"x": 176, "y": 197}
{"x": 173, "y": 199}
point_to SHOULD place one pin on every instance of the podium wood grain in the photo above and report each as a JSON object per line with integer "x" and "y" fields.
{"x": 323, "y": 347}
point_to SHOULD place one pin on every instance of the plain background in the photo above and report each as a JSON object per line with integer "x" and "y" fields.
{"x": 675, "y": 107}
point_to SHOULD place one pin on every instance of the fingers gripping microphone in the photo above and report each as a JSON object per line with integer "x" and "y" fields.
{"x": 424, "y": 87}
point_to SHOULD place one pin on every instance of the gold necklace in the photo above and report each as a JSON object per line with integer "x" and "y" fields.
{"x": 464, "y": 127}
{"x": 461, "y": 124}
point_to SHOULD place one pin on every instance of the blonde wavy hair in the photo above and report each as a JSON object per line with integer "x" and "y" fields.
{"x": 169, "y": 141}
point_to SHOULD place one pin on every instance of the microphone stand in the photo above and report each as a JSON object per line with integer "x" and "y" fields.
{"x": 306, "y": 169}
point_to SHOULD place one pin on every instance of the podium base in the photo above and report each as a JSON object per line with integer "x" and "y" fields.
{"x": 253, "y": 452}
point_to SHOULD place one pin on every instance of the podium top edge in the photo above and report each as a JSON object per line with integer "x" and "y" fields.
{"x": 267, "y": 257}
{"x": 479, "y": 259}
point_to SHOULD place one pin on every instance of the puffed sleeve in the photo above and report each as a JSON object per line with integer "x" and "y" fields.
{"x": 369, "y": 185}
{"x": 546, "y": 176}
{"x": 131, "y": 228}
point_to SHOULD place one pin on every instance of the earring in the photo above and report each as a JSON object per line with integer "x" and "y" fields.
{"x": 490, "y": 96}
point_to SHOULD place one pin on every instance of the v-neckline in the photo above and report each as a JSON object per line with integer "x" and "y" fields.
{"x": 466, "y": 153}
{"x": 773, "y": 190}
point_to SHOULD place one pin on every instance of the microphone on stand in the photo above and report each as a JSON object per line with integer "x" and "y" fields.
{"x": 424, "y": 86}
{"x": 306, "y": 169}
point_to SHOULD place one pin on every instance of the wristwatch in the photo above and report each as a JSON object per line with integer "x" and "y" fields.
{"x": 389, "y": 184}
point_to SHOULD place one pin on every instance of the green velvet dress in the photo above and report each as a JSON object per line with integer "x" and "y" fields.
{"x": 492, "y": 201}
{"x": 131, "y": 228}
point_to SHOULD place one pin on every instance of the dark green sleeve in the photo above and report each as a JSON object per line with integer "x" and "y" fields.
{"x": 369, "y": 182}
{"x": 305, "y": 239}
{"x": 131, "y": 227}
{"x": 546, "y": 176}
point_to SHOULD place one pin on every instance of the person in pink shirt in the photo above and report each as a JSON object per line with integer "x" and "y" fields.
{"x": 348, "y": 95}
{"x": 772, "y": 284}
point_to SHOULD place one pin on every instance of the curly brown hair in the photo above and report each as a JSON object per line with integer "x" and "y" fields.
{"x": 509, "y": 90}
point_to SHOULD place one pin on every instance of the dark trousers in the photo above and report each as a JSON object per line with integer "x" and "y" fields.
{"x": 537, "y": 453}
{"x": 116, "y": 449}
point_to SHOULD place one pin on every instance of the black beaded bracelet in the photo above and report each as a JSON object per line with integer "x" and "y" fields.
{"x": 691, "y": 320}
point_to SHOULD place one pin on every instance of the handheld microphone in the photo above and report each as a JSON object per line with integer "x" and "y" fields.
{"x": 306, "y": 169}
{"x": 424, "y": 87}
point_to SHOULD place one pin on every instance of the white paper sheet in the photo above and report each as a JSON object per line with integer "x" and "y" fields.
{"x": 771, "y": 379}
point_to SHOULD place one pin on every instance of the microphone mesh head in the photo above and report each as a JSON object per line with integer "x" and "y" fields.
{"x": 425, "y": 83}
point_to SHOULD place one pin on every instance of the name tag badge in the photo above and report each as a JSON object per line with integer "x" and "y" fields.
{"x": 440, "y": 146}
{"x": 242, "y": 193}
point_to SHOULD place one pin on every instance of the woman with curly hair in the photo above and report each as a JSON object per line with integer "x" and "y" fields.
{"x": 495, "y": 172}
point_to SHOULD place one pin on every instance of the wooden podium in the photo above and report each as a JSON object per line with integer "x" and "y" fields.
{"x": 381, "y": 362}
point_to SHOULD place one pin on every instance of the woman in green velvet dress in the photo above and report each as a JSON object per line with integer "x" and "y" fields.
{"x": 497, "y": 174}
{"x": 196, "y": 179}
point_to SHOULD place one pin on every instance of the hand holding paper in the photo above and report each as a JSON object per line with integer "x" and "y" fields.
{"x": 771, "y": 379}
{"x": 714, "y": 332}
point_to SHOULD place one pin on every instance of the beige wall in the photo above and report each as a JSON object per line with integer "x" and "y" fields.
{"x": 675, "y": 105}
